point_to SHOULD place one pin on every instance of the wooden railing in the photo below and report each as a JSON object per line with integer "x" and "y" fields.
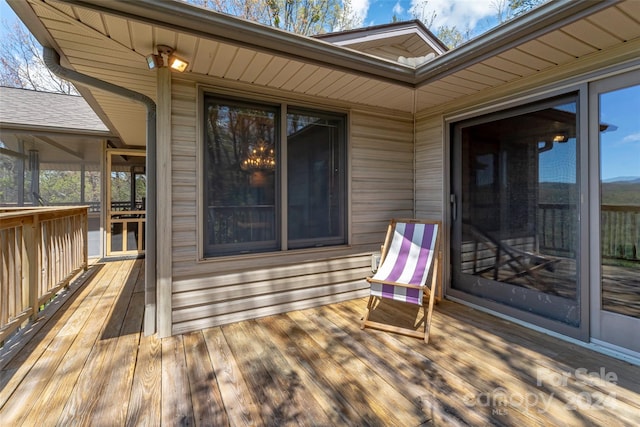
{"x": 42, "y": 249}
{"x": 238, "y": 224}
{"x": 620, "y": 226}
{"x": 620, "y": 232}
{"x": 557, "y": 232}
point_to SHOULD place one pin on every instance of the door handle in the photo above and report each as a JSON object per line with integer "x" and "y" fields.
{"x": 454, "y": 207}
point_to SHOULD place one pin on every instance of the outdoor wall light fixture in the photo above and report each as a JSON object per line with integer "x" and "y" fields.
{"x": 166, "y": 58}
{"x": 561, "y": 137}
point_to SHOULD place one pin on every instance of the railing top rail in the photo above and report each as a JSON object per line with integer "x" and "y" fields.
{"x": 621, "y": 208}
{"x": 615, "y": 208}
{"x": 242, "y": 207}
{"x": 10, "y": 215}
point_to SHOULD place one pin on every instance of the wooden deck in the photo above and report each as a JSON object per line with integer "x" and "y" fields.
{"x": 88, "y": 364}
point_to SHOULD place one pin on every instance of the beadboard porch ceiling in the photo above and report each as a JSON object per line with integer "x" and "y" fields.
{"x": 110, "y": 40}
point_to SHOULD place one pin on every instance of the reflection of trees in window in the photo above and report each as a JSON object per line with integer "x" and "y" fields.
{"x": 233, "y": 132}
{"x": 242, "y": 162}
{"x": 240, "y": 190}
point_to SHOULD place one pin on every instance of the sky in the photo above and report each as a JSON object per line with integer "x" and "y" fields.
{"x": 6, "y": 14}
{"x": 620, "y": 145}
{"x": 475, "y": 15}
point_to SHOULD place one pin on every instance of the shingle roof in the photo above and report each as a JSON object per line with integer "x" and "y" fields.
{"x": 24, "y": 107}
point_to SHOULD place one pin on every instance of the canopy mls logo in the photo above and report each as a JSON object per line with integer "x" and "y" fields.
{"x": 577, "y": 390}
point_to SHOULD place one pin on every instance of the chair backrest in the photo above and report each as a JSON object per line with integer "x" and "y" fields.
{"x": 407, "y": 259}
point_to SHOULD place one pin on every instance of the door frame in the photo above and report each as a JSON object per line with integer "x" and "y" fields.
{"x": 136, "y": 216}
{"x": 608, "y": 329}
{"x": 504, "y": 109}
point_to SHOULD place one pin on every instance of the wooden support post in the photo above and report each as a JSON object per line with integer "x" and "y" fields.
{"x": 30, "y": 262}
{"x": 164, "y": 206}
{"x": 85, "y": 239}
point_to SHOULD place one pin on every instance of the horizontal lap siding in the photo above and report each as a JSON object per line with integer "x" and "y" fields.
{"x": 224, "y": 298}
{"x": 381, "y": 174}
{"x": 209, "y": 293}
{"x": 430, "y": 178}
{"x": 430, "y": 168}
{"x": 184, "y": 177}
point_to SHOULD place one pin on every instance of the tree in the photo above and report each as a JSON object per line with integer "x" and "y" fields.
{"x": 22, "y": 64}
{"x": 452, "y": 36}
{"x": 306, "y": 17}
{"x": 518, "y": 7}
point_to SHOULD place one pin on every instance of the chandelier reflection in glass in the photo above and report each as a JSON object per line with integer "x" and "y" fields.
{"x": 261, "y": 157}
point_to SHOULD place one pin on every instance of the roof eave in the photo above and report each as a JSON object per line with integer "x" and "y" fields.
{"x": 343, "y": 38}
{"x": 209, "y": 24}
{"x": 11, "y": 127}
{"x": 546, "y": 18}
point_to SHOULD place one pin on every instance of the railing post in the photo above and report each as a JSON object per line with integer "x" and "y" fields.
{"x": 85, "y": 238}
{"x": 30, "y": 263}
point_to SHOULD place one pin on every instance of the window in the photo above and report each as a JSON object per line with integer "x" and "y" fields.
{"x": 244, "y": 166}
{"x": 315, "y": 179}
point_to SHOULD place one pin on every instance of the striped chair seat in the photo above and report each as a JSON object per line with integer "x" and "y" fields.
{"x": 407, "y": 259}
{"x": 407, "y": 262}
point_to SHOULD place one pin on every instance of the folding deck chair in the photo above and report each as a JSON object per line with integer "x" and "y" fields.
{"x": 410, "y": 252}
{"x": 509, "y": 262}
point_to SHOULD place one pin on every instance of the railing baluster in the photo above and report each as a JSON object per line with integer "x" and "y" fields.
{"x": 620, "y": 230}
{"x": 42, "y": 249}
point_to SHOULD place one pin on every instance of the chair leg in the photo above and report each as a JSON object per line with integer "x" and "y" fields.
{"x": 366, "y": 315}
{"x": 432, "y": 298}
{"x": 427, "y": 325}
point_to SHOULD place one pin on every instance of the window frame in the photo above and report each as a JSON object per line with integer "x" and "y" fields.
{"x": 342, "y": 179}
{"x": 283, "y": 107}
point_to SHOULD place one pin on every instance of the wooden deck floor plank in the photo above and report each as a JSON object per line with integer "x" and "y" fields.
{"x": 356, "y": 388}
{"x": 57, "y": 312}
{"x": 405, "y": 408}
{"x": 208, "y": 407}
{"x": 117, "y": 318}
{"x": 15, "y": 369}
{"x": 145, "y": 402}
{"x": 31, "y": 388}
{"x": 526, "y": 353}
{"x": 326, "y": 375}
{"x": 338, "y": 412}
{"x": 478, "y": 365}
{"x": 140, "y": 283}
{"x": 316, "y": 363}
{"x": 119, "y": 381}
{"x": 519, "y": 366}
{"x": 60, "y": 360}
{"x": 241, "y": 408}
{"x": 177, "y": 409}
{"x": 564, "y": 359}
{"x": 532, "y": 343}
{"x": 270, "y": 399}
{"x": 124, "y": 323}
{"x": 401, "y": 367}
{"x": 299, "y": 406}
{"x": 84, "y": 396}
{"x": 444, "y": 387}
{"x": 112, "y": 282}
{"x": 472, "y": 358}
